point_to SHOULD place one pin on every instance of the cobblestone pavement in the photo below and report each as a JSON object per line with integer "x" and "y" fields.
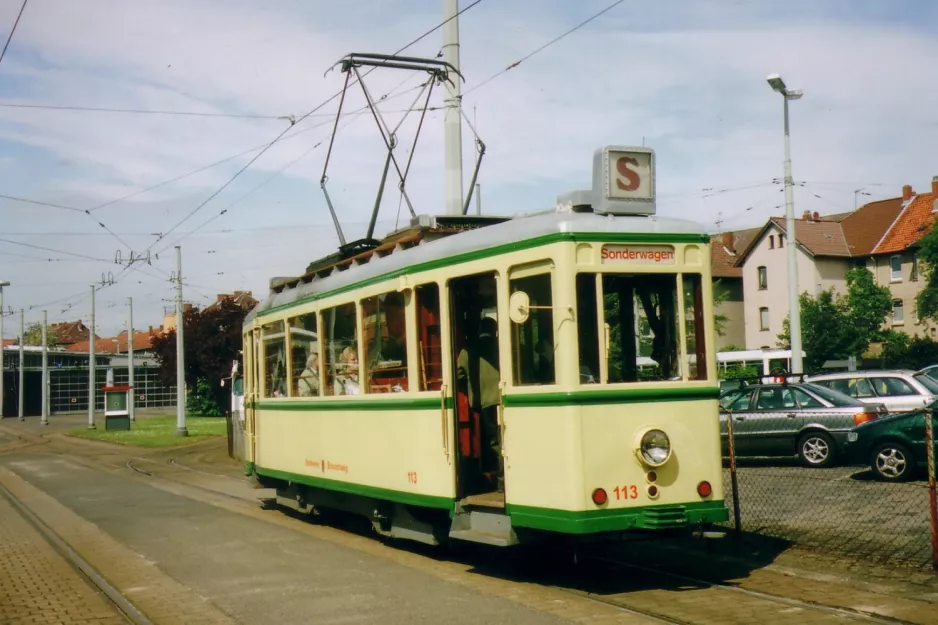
{"x": 37, "y": 585}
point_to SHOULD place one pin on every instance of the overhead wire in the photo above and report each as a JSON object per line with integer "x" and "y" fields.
{"x": 543, "y": 47}
{"x": 101, "y": 109}
{"x": 12, "y": 30}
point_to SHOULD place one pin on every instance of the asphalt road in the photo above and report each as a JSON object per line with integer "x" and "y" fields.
{"x": 840, "y": 510}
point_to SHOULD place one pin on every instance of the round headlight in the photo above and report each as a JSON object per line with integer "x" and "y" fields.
{"x": 655, "y": 448}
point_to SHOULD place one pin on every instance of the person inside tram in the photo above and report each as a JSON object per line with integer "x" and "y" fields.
{"x": 487, "y": 400}
{"x": 346, "y": 381}
{"x": 308, "y": 383}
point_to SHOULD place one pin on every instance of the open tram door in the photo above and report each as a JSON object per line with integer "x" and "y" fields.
{"x": 473, "y": 306}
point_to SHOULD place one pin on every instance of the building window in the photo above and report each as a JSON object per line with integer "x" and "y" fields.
{"x": 860, "y": 263}
{"x": 914, "y": 275}
{"x": 895, "y": 267}
{"x": 763, "y": 318}
{"x": 898, "y": 315}
{"x": 781, "y": 240}
{"x": 763, "y": 279}
{"x": 771, "y": 241}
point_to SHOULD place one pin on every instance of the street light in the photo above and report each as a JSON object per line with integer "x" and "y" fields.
{"x": 794, "y": 310}
{"x": 3, "y": 283}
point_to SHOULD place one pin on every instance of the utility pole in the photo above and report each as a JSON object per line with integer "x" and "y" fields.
{"x": 452, "y": 121}
{"x": 91, "y": 366}
{"x": 45, "y": 369}
{"x": 22, "y": 365}
{"x": 794, "y": 306}
{"x": 180, "y": 353}
{"x": 130, "y": 357}
{"x": 3, "y": 365}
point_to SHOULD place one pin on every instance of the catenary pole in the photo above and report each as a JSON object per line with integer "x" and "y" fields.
{"x": 22, "y": 412}
{"x": 452, "y": 122}
{"x": 45, "y": 368}
{"x": 132, "y": 393}
{"x": 91, "y": 366}
{"x": 180, "y": 353}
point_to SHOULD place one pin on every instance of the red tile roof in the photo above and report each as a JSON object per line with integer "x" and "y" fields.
{"x": 865, "y": 227}
{"x": 912, "y": 224}
{"x": 70, "y": 332}
{"x": 820, "y": 238}
{"x": 114, "y": 345}
{"x": 723, "y": 257}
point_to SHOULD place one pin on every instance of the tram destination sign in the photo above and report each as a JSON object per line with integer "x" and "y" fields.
{"x": 624, "y": 180}
{"x": 637, "y": 254}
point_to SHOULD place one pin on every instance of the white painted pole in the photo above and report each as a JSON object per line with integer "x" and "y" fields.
{"x": 2, "y": 352}
{"x": 22, "y": 412}
{"x": 452, "y": 122}
{"x": 130, "y": 358}
{"x": 91, "y": 366}
{"x": 45, "y": 369}
{"x": 794, "y": 306}
{"x": 180, "y": 353}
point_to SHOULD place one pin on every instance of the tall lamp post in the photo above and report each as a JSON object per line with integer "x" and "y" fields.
{"x": 794, "y": 309}
{"x": 3, "y": 283}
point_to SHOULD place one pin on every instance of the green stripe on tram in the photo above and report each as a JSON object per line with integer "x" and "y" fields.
{"x": 640, "y": 518}
{"x": 328, "y": 405}
{"x": 617, "y": 396}
{"x": 517, "y": 246}
{"x": 415, "y": 499}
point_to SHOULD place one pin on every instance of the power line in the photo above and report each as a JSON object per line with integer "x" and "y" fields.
{"x": 12, "y": 30}
{"x": 101, "y": 109}
{"x": 49, "y": 249}
{"x": 40, "y": 203}
{"x": 546, "y": 45}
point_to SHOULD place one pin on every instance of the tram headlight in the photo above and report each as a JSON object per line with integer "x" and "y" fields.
{"x": 654, "y": 448}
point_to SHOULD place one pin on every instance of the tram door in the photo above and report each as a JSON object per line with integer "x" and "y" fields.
{"x": 473, "y": 306}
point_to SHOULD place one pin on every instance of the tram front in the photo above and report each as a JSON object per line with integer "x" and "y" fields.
{"x": 626, "y": 437}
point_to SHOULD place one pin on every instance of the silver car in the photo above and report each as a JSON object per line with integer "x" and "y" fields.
{"x": 899, "y": 390}
{"x": 787, "y": 419}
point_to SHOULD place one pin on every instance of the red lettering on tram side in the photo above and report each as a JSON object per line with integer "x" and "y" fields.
{"x": 655, "y": 256}
{"x": 622, "y": 166}
{"x": 629, "y": 491}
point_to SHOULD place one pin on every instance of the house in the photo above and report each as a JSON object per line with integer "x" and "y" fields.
{"x": 827, "y": 247}
{"x": 169, "y": 316}
{"x": 728, "y": 285}
{"x": 244, "y": 299}
{"x": 69, "y": 332}
{"x": 117, "y": 344}
{"x": 894, "y": 261}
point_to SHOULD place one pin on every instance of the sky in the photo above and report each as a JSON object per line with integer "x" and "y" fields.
{"x": 685, "y": 77}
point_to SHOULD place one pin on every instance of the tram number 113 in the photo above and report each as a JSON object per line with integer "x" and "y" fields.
{"x": 412, "y": 477}
{"x": 626, "y": 492}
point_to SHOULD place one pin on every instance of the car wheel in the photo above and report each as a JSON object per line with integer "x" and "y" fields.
{"x": 892, "y": 462}
{"x": 816, "y": 450}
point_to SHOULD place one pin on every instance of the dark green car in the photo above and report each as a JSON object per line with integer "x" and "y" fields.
{"x": 893, "y": 446}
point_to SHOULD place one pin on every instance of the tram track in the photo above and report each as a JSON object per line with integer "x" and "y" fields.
{"x": 648, "y": 592}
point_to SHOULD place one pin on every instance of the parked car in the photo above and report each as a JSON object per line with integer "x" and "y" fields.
{"x": 782, "y": 419}
{"x": 931, "y": 371}
{"x": 899, "y": 390}
{"x": 893, "y": 447}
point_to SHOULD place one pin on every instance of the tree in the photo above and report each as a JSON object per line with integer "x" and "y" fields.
{"x": 825, "y": 329}
{"x": 867, "y": 305}
{"x": 34, "y": 335}
{"x": 721, "y": 294}
{"x": 212, "y": 342}
{"x": 926, "y": 302}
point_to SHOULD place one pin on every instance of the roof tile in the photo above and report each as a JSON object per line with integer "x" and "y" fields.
{"x": 913, "y": 223}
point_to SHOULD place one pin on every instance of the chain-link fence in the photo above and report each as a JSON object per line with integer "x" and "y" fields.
{"x": 841, "y": 479}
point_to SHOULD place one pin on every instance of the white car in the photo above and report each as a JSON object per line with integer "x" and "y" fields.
{"x": 899, "y": 390}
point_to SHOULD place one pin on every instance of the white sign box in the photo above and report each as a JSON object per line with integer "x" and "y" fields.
{"x": 624, "y": 180}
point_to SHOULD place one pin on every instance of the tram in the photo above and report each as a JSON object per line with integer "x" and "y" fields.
{"x": 500, "y": 380}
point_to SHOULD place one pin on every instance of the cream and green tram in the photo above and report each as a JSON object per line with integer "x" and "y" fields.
{"x": 498, "y": 380}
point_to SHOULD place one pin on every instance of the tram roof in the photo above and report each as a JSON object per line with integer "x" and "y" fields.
{"x": 416, "y": 247}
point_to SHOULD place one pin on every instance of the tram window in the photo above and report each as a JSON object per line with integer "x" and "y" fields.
{"x": 340, "y": 330}
{"x": 587, "y": 329}
{"x": 275, "y": 359}
{"x": 429, "y": 346}
{"x": 532, "y": 342}
{"x": 694, "y": 328}
{"x": 384, "y": 343}
{"x": 304, "y": 349}
{"x": 640, "y": 327}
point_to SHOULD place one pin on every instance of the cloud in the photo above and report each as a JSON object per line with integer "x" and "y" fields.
{"x": 686, "y": 78}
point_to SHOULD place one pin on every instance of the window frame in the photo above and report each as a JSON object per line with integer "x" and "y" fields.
{"x": 762, "y": 277}
{"x": 900, "y": 305}
{"x": 764, "y": 321}
{"x": 895, "y": 275}
{"x": 525, "y": 271}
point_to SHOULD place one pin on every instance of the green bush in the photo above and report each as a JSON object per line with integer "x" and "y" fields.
{"x": 202, "y": 401}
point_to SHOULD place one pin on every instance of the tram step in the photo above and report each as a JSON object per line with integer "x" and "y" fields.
{"x": 498, "y": 540}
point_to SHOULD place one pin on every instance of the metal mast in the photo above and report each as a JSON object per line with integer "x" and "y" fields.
{"x": 452, "y": 122}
